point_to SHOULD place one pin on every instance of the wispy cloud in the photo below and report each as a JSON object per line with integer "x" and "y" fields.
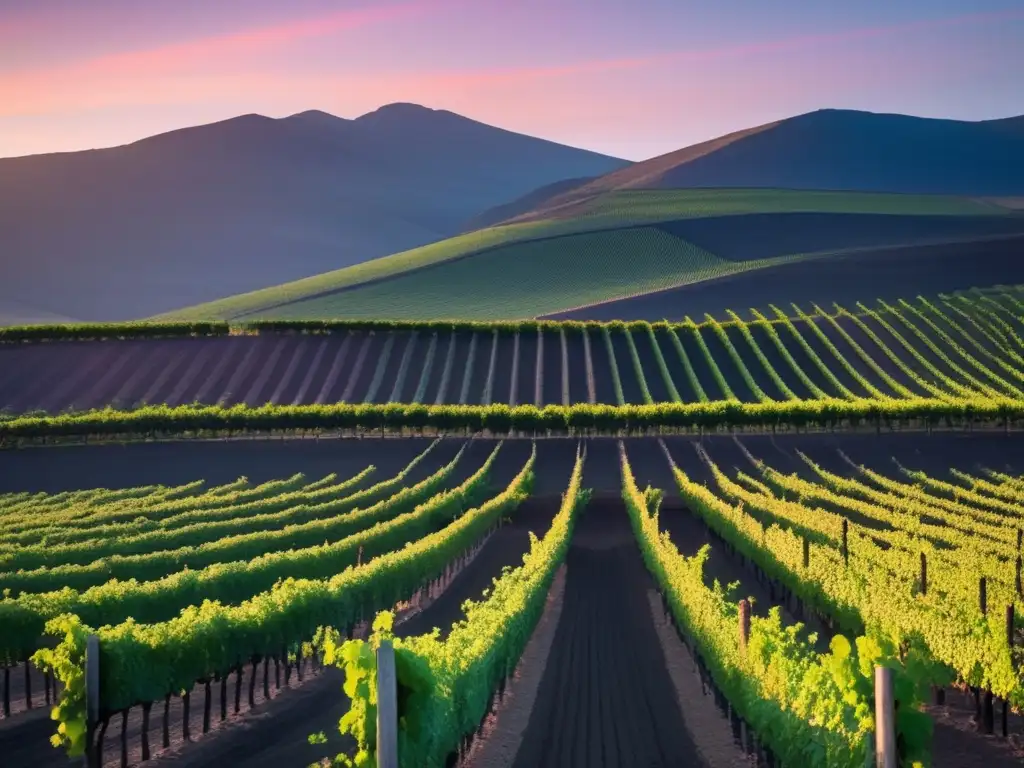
{"x": 248, "y": 41}
{"x": 465, "y": 78}
{"x": 140, "y": 74}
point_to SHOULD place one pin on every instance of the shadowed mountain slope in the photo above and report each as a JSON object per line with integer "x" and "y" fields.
{"x": 209, "y": 211}
{"x": 828, "y": 149}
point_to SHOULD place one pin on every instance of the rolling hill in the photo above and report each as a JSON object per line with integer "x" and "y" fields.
{"x": 205, "y": 212}
{"x": 827, "y": 149}
{"x": 830, "y": 183}
{"x": 631, "y": 243}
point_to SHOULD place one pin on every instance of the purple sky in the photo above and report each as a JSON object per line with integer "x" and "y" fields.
{"x": 633, "y": 78}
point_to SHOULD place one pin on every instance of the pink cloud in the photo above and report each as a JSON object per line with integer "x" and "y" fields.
{"x": 490, "y": 76}
{"x": 247, "y": 42}
{"x": 122, "y": 77}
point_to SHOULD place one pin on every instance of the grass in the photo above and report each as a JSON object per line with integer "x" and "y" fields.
{"x": 530, "y": 279}
{"x": 616, "y": 210}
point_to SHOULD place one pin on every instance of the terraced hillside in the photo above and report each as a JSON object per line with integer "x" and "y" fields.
{"x": 583, "y": 616}
{"x": 948, "y": 347}
{"x": 634, "y": 242}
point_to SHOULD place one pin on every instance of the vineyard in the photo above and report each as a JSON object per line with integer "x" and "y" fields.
{"x": 942, "y": 350}
{"x": 219, "y": 578}
{"x": 584, "y": 543}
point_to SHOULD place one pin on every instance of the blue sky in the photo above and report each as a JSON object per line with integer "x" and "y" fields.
{"x": 634, "y": 78}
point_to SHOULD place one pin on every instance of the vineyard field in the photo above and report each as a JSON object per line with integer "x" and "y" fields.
{"x": 943, "y": 347}
{"x": 555, "y": 716}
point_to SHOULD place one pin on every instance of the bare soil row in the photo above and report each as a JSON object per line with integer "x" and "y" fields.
{"x": 482, "y": 368}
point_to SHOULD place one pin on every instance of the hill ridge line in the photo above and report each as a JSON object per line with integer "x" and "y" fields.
{"x": 779, "y": 261}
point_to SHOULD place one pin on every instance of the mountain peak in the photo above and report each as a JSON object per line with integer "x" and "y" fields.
{"x": 314, "y": 114}
{"x": 398, "y": 113}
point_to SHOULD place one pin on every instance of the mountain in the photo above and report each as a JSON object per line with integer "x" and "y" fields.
{"x": 523, "y": 204}
{"x": 17, "y": 313}
{"x": 828, "y": 149}
{"x": 213, "y": 210}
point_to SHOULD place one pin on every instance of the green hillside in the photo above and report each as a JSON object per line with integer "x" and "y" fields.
{"x": 600, "y": 251}
{"x": 530, "y": 279}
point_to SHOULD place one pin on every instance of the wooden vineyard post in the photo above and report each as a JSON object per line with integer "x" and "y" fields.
{"x": 846, "y": 546}
{"x": 807, "y": 553}
{"x": 744, "y": 623}
{"x": 1020, "y": 587}
{"x": 924, "y": 574}
{"x": 983, "y": 595}
{"x": 387, "y": 707}
{"x": 92, "y": 698}
{"x": 885, "y": 720}
{"x": 1009, "y": 644}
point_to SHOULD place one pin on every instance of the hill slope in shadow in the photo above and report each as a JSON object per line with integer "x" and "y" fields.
{"x": 205, "y": 212}
{"x": 829, "y": 149}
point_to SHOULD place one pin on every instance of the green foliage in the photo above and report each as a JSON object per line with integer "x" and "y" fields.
{"x": 144, "y": 662}
{"x": 612, "y": 363}
{"x": 67, "y": 663}
{"x": 499, "y": 419}
{"x": 231, "y": 582}
{"x": 134, "y": 330}
{"x": 811, "y": 709}
{"x": 445, "y": 685}
{"x": 546, "y": 257}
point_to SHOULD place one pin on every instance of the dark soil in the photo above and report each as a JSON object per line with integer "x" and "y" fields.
{"x": 399, "y": 346}
{"x": 876, "y": 353}
{"x": 970, "y": 359}
{"x": 501, "y": 387}
{"x": 729, "y": 369}
{"x": 362, "y": 375}
{"x": 577, "y": 368}
{"x": 699, "y": 361}
{"x": 271, "y": 370}
{"x": 965, "y": 332}
{"x": 462, "y": 373}
{"x": 445, "y": 346}
{"x": 481, "y": 365}
{"x": 552, "y": 373}
{"x": 296, "y": 362}
{"x": 780, "y": 364}
{"x": 212, "y": 387}
{"x": 103, "y": 388}
{"x": 803, "y": 359}
{"x": 887, "y": 273}
{"x": 605, "y": 389}
{"x": 649, "y": 361}
{"x": 825, "y": 355}
{"x": 761, "y": 236}
{"x": 905, "y": 323}
{"x": 39, "y": 371}
{"x": 144, "y": 371}
{"x": 526, "y": 384}
{"x": 79, "y": 372}
{"x": 631, "y": 390}
{"x": 605, "y": 698}
{"x": 330, "y": 371}
{"x": 17, "y": 364}
{"x": 199, "y": 370}
{"x": 243, "y": 376}
{"x": 417, "y": 366}
{"x": 676, "y": 368}
{"x": 389, "y": 358}
{"x": 757, "y": 370}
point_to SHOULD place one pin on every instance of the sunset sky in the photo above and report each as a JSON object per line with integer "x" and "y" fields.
{"x": 632, "y": 78}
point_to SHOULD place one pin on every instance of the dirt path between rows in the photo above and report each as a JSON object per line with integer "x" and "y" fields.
{"x": 606, "y": 698}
